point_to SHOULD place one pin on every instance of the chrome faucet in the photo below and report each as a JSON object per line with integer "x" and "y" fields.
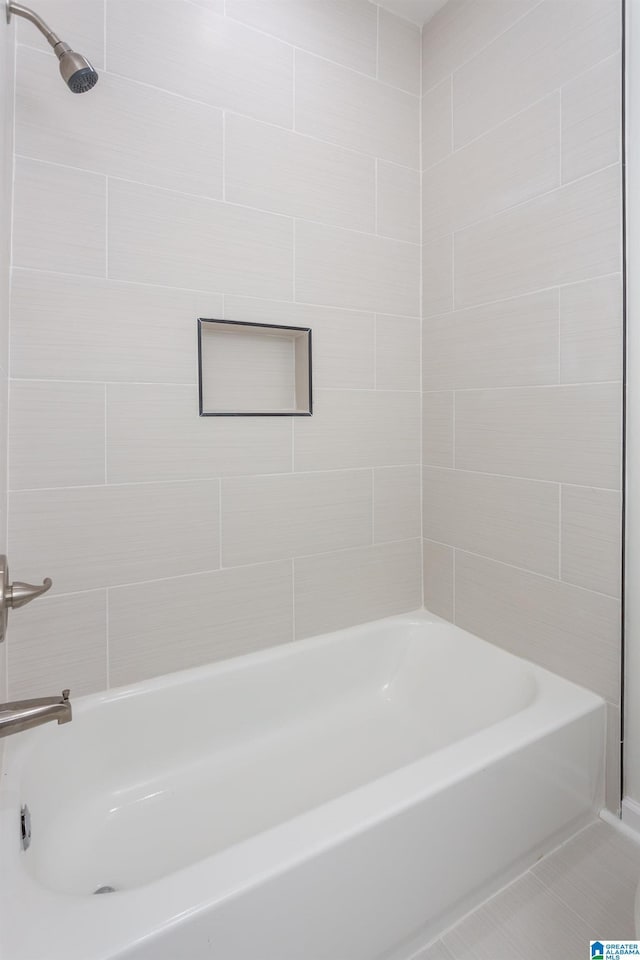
{"x": 25, "y": 714}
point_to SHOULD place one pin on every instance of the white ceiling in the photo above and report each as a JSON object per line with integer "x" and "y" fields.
{"x": 417, "y": 10}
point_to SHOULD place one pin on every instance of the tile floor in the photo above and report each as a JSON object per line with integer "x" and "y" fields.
{"x": 583, "y": 891}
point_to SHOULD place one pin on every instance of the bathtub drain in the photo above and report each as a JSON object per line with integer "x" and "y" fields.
{"x": 105, "y": 889}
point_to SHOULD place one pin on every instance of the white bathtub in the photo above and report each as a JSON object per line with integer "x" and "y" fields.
{"x": 340, "y": 798}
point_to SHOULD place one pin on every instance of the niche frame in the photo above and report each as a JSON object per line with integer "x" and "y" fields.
{"x": 302, "y": 368}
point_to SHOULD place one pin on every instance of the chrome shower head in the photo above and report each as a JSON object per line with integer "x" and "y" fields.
{"x": 77, "y": 72}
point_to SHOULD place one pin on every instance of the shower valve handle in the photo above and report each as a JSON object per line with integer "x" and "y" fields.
{"x": 14, "y": 595}
{"x": 19, "y": 593}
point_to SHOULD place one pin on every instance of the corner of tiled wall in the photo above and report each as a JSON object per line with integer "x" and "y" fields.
{"x": 522, "y": 332}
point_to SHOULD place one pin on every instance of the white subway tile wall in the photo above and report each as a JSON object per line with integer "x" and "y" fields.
{"x": 273, "y": 176}
{"x": 228, "y": 66}
{"x": 522, "y": 332}
{"x": 58, "y": 434}
{"x": 543, "y": 51}
{"x": 59, "y": 643}
{"x": 339, "y": 105}
{"x": 211, "y": 616}
{"x": 506, "y": 518}
{"x": 356, "y": 585}
{"x": 162, "y": 237}
{"x": 397, "y": 189}
{"x": 101, "y": 132}
{"x": 572, "y": 631}
{"x": 81, "y": 19}
{"x": 452, "y": 234}
{"x": 59, "y": 219}
{"x": 398, "y": 43}
{"x": 513, "y": 162}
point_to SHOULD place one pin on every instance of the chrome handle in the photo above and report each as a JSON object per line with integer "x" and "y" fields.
{"x": 14, "y": 595}
{"x": 18, "y": 593}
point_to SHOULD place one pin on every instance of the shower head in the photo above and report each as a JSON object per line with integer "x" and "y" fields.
{"x": 77, "y": 72}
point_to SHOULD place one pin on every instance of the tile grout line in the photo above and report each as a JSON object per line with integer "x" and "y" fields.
{"x": 573, "y": 385}
{"x": 451, "y": 121}
{"x": 421, "y": 335}
{"x": 560, "y": 137}
{"x": 558, "y": 305}
{"x": 293, "y": 447}
{"x": 529, "y": 872}
{"x": 474, "y": 224}
{"x": 559, "y": 368}
{"x": 201, "y": 198}
{"x": 453, "y": 273}
{"x": 293, "y": 90}
{"x": 484, "y": 910}
{"x": 375, "y": 196}
{"x": 105, "y": 426}
{"x": 555, "y": 895}
{"x": 527, "y": 570}
{"x": 293, "y": 598}
{"x": 489, "y": 131}
{"x": 220, "y": 523}
{"x": 94, "y": 278}
{"x": 217, "y": 476}
{"x": 106, "y": 227}
{"x": 107, "y": 638}
{"x": 560, "y": 531}
{"x": 453, "y": 451}
{"x": 453, "y": 579}
{"x": 373, "y": 506}
{"x": 113, "y": 281}
{"x": 244, "y": 116}
{"x": 318, "y": 56}
{"x": 287, "y": 473}
{"x": 274, "y": 38}
{"x": 224, "y": 156}
{"x": 296, "y": 48}
{"x": 507, "y": 476}
{"x": 208, "y": 571}
{"x": 476, "y": 53}
{"x": 453, "y": 430}
{"x": 294, "y": 241}
{"x": 375, "y": 352}
{"x": 211, "y": 571}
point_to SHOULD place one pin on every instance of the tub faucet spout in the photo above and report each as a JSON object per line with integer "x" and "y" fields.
{"x": 25, "y": 714}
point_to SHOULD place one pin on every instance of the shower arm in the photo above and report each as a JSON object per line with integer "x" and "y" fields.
{"x": 76, "y": 71}
{"x": 20, "y": 11}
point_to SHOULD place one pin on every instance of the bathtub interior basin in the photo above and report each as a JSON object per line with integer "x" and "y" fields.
{"x": 201, "y": 764}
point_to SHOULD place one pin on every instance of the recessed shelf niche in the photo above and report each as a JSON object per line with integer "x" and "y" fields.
{"x": 253, "y": 369}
